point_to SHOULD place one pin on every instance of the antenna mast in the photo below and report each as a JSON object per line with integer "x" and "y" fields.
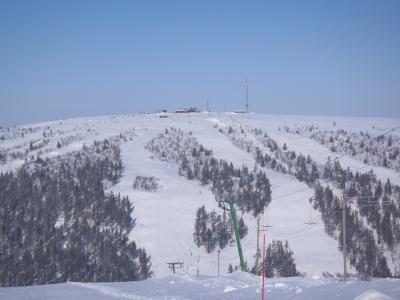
{"x": 247, "y": 95}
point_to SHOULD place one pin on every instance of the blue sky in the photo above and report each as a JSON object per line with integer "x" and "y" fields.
{"x": 63, "y": 59}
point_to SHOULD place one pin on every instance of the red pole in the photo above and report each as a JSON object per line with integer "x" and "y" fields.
{"x": 263, "y": 266}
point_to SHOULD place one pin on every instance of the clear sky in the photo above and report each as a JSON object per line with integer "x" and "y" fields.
{"x": 63, "y": 59}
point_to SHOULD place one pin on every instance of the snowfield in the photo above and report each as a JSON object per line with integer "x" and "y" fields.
{"x": 165, "y": 218}
{"x": 238, "y": 285}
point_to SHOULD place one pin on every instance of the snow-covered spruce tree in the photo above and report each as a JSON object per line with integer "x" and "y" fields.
{"x": 242, "y": 228}
{"x": 279, "y": 260}
{"x": 57, "y": 224}
{"x": 230, "y": 268}
{"x": 144, "y": 265}
{"x": 212, "y": 230}
{"x": 146, "y": 183}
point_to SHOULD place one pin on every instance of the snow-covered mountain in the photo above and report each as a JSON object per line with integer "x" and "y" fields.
{"x": 165, "y": 215}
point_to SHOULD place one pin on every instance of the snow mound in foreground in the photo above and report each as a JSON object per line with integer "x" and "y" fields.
{"x": 373, "y": 295}
{"x": 238, "y": 285}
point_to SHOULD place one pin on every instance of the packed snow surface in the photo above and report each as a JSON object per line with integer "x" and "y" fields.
{"x": 238, "y": 285}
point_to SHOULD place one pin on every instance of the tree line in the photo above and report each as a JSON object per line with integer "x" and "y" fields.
{"x": 57, "y": 223}
{"x": 375, "y": 214}
{"x": 380, "y": 150}
{"x": 249, "y": 189}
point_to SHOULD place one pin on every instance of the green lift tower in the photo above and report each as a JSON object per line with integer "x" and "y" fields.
{"x": 236, "y": 229}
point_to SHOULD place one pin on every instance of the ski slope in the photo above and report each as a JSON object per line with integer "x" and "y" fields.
{"x": 165, "y": 218}
{"x": 238, "y": 286}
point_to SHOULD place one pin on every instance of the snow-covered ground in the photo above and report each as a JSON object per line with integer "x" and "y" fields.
{"x": 238, "y": 285}
{"x": 165, "y": 218}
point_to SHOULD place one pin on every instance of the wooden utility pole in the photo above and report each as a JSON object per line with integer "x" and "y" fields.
{"x": 263, "y": 259}
{"x": 263, "y": 270}
{"x": 310, "y": 222}
{"x": 344, "y": 236}
{"x": 258, "y": 244}
{"x": 198, "y": 266}
{"x": 219, "y": 251}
